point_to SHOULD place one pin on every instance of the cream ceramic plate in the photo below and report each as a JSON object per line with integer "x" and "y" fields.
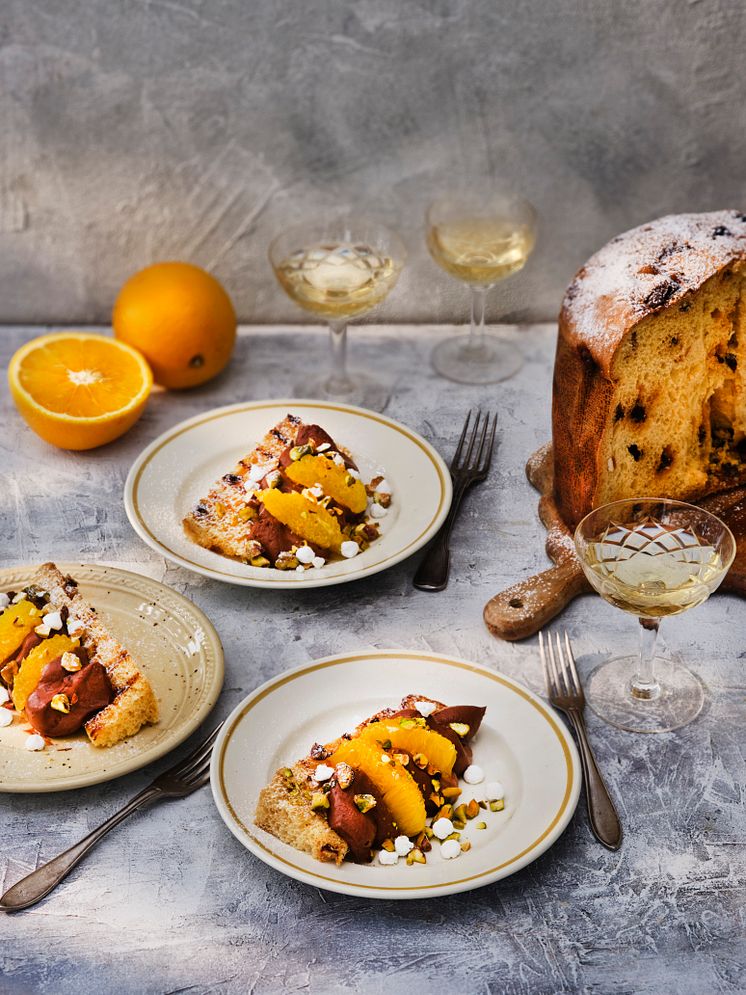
{"x": 177, "y": 469}
{"x": 521, "y": 742}
{"x": 180, "y": 653}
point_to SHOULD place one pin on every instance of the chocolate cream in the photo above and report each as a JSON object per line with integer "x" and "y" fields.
{"x": 87, "y": 690}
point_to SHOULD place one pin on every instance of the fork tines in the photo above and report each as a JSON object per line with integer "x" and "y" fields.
{"x": 478, "y": 454}
{"x": 563, "y": 682}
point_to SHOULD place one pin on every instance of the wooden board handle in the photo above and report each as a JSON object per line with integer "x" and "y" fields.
{"x": 521, "y": 610}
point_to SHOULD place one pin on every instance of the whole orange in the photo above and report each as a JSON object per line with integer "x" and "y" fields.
{"x": 180, "y": 318}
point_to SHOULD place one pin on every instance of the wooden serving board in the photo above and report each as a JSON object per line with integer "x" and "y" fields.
{"x": 521, "y": 610}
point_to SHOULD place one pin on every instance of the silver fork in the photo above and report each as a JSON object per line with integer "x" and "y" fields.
{"x": 566, "y": 694}
{"x": 178, "y": 781}
{"x": 466, "y": 470}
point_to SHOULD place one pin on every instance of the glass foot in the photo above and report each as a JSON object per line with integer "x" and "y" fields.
{"x": 359, "y": 389}
{"x": 676, "y": 701}
{"x": 490, "y": 362}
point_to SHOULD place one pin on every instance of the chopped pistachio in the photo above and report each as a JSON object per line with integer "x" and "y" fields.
{"x": 445, "y": 812}
{"x": 451, "y": 793}
{"x": 60, "y": 703}
{"x": 416, "y": 857}
{"x": 423, "y": 842}
{"x": 70, "y": 662}
{"x": 460, "y": 812}
{"x": 460, "y": 728}
{"x": 420, "y": 759}
{"x": 497, "y": 806}
{"x": 412, "y": 723}
{"x": 246, "y": 514}
{"x": 365, "y": 803}
{"x": 345, "y": 775}
{"x": 472, "y": 809}
{"x": 319, "y": 801}
{"x": 388, "y": 845}
{"x": 465, "y": 846}
{"x": 452, "y": 836}
{"x": 259, "y": 561}
{"x": 481, "y": 825}
{"x": 298, "y": 452}
{"x": 219, "y": 509}
{"x": 402, "y": 758}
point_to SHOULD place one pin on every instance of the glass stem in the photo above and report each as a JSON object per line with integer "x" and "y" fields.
{"x": 339, "y": 382}
{"x": 475, "y": 345}
{"x": 644, "y": 683}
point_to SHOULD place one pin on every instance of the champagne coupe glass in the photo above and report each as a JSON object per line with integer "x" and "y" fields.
{"x": 651, "y": 557}
{"x": 339, "y": 268}
{"x": 480, "y": 237}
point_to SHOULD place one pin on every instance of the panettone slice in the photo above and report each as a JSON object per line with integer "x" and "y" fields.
{"x": 135, "y": 704}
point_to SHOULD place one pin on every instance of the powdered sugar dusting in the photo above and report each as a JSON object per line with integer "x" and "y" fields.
{"x": 646, "y": 269}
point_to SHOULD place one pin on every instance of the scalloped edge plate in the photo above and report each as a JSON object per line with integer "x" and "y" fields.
{"x": 180, "y": 653}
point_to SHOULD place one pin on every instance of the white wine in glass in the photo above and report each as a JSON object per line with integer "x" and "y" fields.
{"x": 339, "y": 268}
{"x": 651, "y": 557}
{"x": 481, "y": 239}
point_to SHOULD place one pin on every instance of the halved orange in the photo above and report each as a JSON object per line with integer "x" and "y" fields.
{"x": 78, "y": 390}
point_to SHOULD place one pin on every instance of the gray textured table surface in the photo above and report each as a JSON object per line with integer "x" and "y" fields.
{"x": 170, "y": 902}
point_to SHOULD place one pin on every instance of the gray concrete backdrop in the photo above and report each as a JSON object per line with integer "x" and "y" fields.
{"x": 136, "y": 130}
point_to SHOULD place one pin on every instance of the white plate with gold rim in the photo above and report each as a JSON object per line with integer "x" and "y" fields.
{"x": 521, "y": 743}
{"x": 180, "y": 467}
{"x": 180, "y": 653}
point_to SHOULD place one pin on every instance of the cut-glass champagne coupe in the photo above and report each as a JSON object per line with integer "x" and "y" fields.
{"x": 479, "y": 237}
{"x": 339, "y": 268}
{"x": 652, "y": 557}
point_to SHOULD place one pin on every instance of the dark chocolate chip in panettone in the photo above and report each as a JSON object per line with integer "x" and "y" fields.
{"x": 635, "y": 452}
{"x": 668, "y": 250}
{"x": 701, "y": 434}
{"x": 661, "y": 294}
{"x": 638, "y": 413}
{"x": 666, "y": 459}
{"x": 674, "y": 340}
{"x": 619, "y": 413}
{"x": 730, "y": 361}
{"x": 231, "y": 478}
{"x": 719, "y": 230}
{"x": 685, "y": 306}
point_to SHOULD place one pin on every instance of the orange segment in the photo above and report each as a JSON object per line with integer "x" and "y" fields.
{"x": 336, "y": 481}
{"x": 440, "y": 752}
{"x": 305, "y": 517}
{"x": 17, "y": 622}
{"x": 31, "y": 668}
{"x": 398, "y": 788}
{"x": 78, "y": 390}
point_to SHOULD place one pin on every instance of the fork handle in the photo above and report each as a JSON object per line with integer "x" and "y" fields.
{"x": 31, "y": 889}
{"x": 432, "y": 573}
{"x": 602, "y": 813}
